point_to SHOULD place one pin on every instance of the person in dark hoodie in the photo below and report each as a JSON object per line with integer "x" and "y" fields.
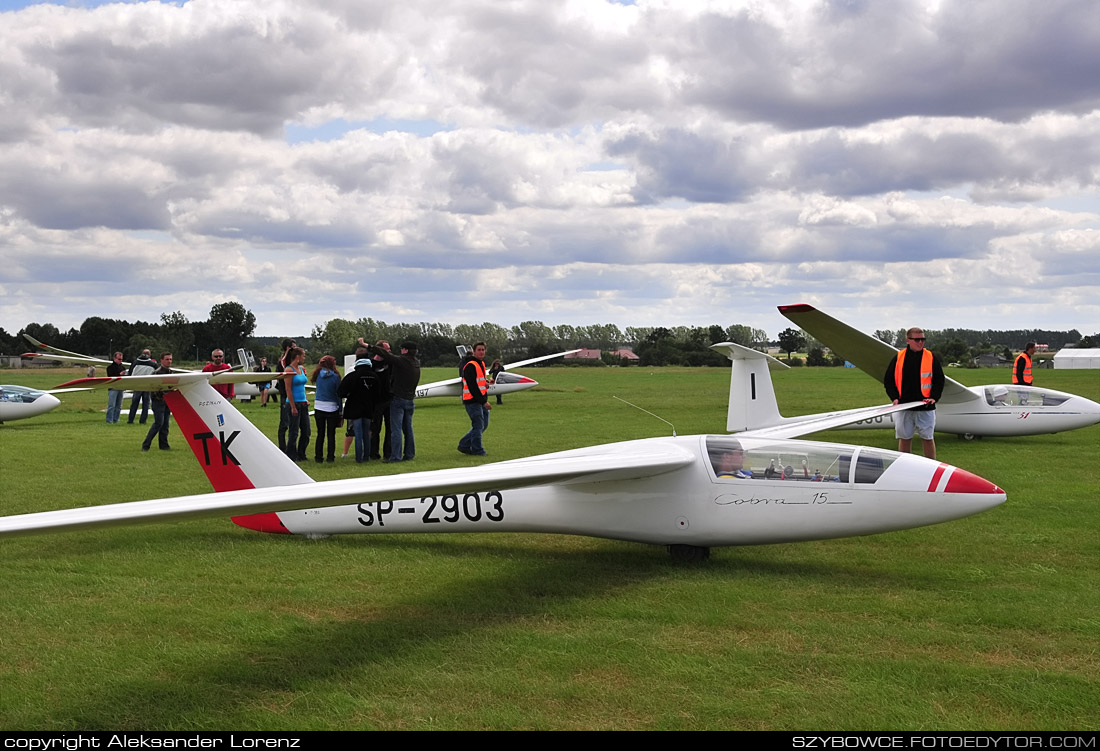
{"x": 359, "y": 389}
{"x": 144, "y": 365}
{"x": 381, "y": 442}
{"x": 404, "y": 379}
{"x": 475, "y": 387}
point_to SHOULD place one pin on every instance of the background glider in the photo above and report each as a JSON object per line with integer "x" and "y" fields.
{"x": 998, "y": 410}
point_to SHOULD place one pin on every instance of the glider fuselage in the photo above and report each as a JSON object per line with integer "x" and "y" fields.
{"x": 822, "y": 498}
{"x": 22, "y": 402}
{"x": 1023, "y": 410}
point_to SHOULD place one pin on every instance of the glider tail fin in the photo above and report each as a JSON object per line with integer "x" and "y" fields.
{"x": 752, "y": 402}
{"x": 232, "y": 451}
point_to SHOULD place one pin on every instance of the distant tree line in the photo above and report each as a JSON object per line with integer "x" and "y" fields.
{"x": 964, "y": 345}
{"x": 230, "y": 325}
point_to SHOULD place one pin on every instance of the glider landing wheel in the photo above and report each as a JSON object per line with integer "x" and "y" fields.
{"x": 688, "y": 553}
{"x": 968, "y": 436}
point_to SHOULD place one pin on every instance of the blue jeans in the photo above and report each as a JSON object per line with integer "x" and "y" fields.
{"x": 361, "y": 428}
{"x": 284, "y": 420}
{"x": 161, "y": 421}
{"x": 142, "y": 397}
{"x": 298, "y": 432}
{"x": 401, "y": 424}
{"x": 114, "y": 406}
{"x": 479, "y": 422}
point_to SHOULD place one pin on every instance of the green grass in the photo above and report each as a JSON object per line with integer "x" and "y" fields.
{"x": 990, "y": 622}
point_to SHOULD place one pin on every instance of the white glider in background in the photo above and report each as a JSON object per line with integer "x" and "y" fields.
{"x": 46, "y": 352}
{"x": 505, "y": 383}
{"x": 22, "y": 402}
{"x": 995, "y": 410}
{"x": 689, "y": 493}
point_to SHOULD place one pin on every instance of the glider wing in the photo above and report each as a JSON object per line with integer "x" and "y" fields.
{"x": 867, "y": 353}
{"x": 549, "y": 469}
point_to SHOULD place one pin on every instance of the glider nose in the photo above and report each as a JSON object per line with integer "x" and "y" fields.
{"x": 979, "y": 492}
{"x": 1089, "y": 410}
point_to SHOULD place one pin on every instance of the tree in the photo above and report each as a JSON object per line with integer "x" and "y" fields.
{"x": 177, "y": 335}
{"x": 790, "y": 341}
{"x": 104, "y": 335}
{"x": 9, "y": 345}
{"x": 953, "y": 351}
{"x": 746, "y": 336}
{"x": 338, "y": 338}
{"x": 816, "y": 356}
{"x": 883, "y": 335}
{"x": 230, "y": 326}
{"x": 46, "y": 333}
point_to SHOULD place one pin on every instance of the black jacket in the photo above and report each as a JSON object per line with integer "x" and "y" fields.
{"x": 359, "y": 389}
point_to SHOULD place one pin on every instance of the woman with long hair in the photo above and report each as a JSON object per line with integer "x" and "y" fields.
{"x": 326, "y": 406}
{"x": 298, "y": 429}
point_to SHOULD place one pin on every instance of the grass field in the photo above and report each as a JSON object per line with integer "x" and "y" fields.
{"x": 991, "y": 622}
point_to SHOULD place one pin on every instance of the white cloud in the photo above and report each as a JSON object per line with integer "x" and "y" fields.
{"x": 658, "y": 163}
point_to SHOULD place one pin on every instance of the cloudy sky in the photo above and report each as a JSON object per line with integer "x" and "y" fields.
{"x": 665, "y": 162}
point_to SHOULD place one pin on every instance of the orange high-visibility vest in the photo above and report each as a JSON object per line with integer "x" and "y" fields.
{"x": 925, "y": 371}
{"x": 1027, "y": 370}
{"x": 482, "y": 383}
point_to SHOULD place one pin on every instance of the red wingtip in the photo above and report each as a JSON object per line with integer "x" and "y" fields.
{"x": 796, "y": 308}
{"x": 268, "y": 522}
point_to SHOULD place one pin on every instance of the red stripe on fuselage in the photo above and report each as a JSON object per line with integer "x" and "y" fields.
{"x": 223, "y": 474}
{"x": 936, "y": 478}
{"x": 268, "y": 522}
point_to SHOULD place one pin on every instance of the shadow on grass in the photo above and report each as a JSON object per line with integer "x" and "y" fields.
{"x": 518, "y": 582}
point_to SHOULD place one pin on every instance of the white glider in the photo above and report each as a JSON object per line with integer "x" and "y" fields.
{"x": 22, "y": 402}
{"x": 996, "y": 410}
{"x": 505, "y": 383}
{"x": 688, "y": 493}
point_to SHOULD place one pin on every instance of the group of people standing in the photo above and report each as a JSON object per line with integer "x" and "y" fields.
{"x": 374, "y": 400}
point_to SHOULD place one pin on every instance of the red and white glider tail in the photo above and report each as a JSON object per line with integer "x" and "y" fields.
{"x": 232, "y": 451}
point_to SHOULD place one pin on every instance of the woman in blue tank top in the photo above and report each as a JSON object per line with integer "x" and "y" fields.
{"x": 298, "y": 429}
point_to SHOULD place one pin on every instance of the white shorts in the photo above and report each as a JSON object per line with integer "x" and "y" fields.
{"x": 920, "y": 421}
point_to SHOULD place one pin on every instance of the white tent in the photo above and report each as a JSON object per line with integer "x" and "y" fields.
{"x": 1077, "y": 358}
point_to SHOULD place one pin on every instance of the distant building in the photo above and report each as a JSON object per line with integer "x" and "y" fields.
{"x": 625, "y": 355}
{"x": 1077, "y": 358}
{"x": 584, "y": 354}
{"x": 992, "y": 360}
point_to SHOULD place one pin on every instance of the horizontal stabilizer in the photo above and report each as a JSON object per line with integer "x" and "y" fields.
{"x": 799, "y": 426}
{"x": 166, "y": 382}
{"x": 739, "y": 352}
